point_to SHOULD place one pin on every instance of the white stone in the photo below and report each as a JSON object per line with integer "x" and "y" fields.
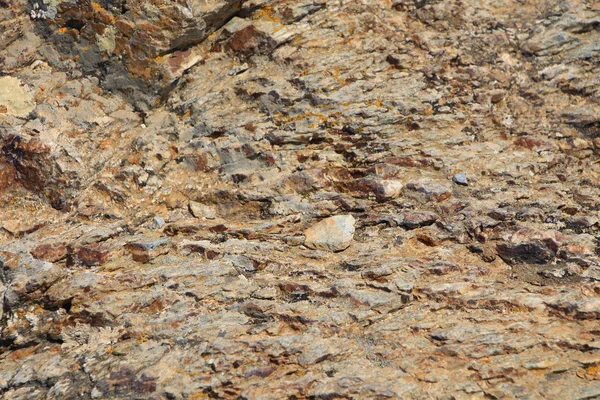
{"x": 331, "y": 234}
{"x": 14, "y": 98}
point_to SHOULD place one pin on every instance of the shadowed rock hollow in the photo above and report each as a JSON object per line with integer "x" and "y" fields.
{"x": 299, "y": 199}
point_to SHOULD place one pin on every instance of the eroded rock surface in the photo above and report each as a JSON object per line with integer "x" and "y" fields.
{"x": 331, "y": 234}
{"x": 166, "y": 167}
{"x": 133, "y": 46}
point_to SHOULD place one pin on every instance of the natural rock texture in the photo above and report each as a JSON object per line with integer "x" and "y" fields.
{"x": 299, "y": 199}
{"x": 15, "y": 99}
{"x": 332, "y": 234}
{"x": 133, "y": 45}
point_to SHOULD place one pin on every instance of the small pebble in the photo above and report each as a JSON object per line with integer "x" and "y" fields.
{"x": 331, "y": 234}
{"x": 158, "y": 222}
{"x": 460, "y": 179}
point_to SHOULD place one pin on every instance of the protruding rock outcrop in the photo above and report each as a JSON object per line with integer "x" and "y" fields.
{"x": 137, "y": 48}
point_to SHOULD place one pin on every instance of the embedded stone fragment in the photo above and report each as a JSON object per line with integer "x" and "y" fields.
{"x": 530, "y": 247}
{"x": 387, "y": 189}
{"x": 331, "y": 234}
{"x": 200, "y": 210}
{"x": 548, "y": 42}
{"x": 15, "y": 99}
{"x": 247, "y": 37}
{"x": 94, "y": 254}
{"x": 25, "y": 277}
{"x": 460, "y": 179}
{"x": 431, "y": 190}
{"x": 50, "y": 251}
{"x": 535, "y": 252}
{"x": 39, "y": 166}
{"x": 417, "y": 219}
{"x": 146, "y": 250}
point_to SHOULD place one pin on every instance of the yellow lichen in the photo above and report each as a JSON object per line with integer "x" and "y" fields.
{"x": 100, "y": 10}
{"x": 335, "y": 72}
{"x": 97, "y": 7}
{"x": 266, "y": 13}
{"x": 593, "y": 369}
{"x": 142, "y": 339}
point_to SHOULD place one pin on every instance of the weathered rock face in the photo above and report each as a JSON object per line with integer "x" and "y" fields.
{"x": 333, "y": 199}
{"x": 14, "y": 98}
{"x": 133, "y": 46}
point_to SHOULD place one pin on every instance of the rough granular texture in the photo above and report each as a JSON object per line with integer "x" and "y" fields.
{"x": 133, "y": 46}
{"x": 299, "y": 199}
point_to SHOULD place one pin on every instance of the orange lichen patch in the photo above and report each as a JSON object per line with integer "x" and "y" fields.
{"x": 212, "y": 36}
{"x": 134, "y": 158}
{"x": 142, "y": 339}
{"x": 63, "y": 30}
{"x": 378, "y": 103}
{"x": 38, "y": 310}
{"x": 107, "y": 144}
{"x": 297, "y": 40}
{"x": 335, "y": 72}
{"x": 266, "y": 12}
{"x": 103, "y": 15}
{"x": 518, "y": 309}
{"x": 97, "y": 7}
{"x": 593, "y": 369}
{"x": 591, "y": 372}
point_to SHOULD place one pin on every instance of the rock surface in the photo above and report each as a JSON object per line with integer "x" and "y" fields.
{"x": 14, "y": 98}
{"x": 332, "y": 234}
{"x": 165, "y": 167}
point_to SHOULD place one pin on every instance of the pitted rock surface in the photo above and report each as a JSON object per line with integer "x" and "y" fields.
{"x": 163, "y": 165}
